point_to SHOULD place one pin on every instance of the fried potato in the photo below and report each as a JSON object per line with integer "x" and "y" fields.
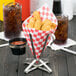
{"x": 38, "y": 24}
{"x": 31, "y": 22}
{"x": 53, "y": 26}
{"x": 36, "y": 15}
{"x": 46, "y": 27}
{"x": 47, "y": 21}
{"x": 27, "y": 25}
{"x": 35, "y": 22}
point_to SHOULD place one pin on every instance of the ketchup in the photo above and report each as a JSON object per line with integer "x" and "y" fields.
{"x": 17, "y": 42}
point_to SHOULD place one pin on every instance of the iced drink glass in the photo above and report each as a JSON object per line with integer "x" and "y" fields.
{"x": 62, "y": 30}
{"x": 12, "y": 13}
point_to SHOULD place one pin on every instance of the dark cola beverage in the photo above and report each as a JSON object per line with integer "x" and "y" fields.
{"x": 12, "y": 14}
{"x": 62, "y": 30}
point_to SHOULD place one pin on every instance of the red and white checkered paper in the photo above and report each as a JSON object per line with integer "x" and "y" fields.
{"x": 39, "y": 36}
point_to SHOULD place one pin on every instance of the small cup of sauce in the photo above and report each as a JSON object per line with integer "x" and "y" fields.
{"x": 18, "y": 46}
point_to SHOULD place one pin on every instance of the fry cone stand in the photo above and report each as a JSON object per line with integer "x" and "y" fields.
{"x": 38, "y": 39}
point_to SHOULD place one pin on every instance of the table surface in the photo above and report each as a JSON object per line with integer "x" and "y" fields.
{"x": 62, "y": 63}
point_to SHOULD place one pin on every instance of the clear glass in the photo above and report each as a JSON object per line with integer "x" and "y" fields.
{"x": 12, "y": 15}
{"x": 62, "y": 30}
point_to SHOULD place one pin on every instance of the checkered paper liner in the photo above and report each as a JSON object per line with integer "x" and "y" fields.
{"x": 39, "y": 36}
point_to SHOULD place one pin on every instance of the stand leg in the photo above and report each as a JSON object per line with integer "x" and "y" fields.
{"x": 45, "y": 65}
{"x": 26, "y": 70}
{"x": 29, "y": 70}
{"x": 43, "y": 69}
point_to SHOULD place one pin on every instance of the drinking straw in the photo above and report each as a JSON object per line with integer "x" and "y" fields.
{"x": 45, "y": 42}
{"x": 32, "y": 45}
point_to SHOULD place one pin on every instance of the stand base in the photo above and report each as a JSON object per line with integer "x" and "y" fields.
{"x": 39, "y": 63}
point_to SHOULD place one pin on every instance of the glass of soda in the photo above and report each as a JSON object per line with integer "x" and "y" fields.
{"x": 62, "y": 30}
{"x": 12, "y": 15}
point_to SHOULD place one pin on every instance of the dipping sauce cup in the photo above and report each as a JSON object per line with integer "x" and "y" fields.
{"x": 18, "y": 46}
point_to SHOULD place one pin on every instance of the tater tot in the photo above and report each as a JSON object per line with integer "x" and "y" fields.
{"x": 38, "y": 24}
{"x": 53, "y": 26}
{"x": 46, "y": 21}
{"x": 46, "y": 27}
{"x": 31, "y": 22}
{"x": 27, "y": 25}
{"x": 36, "y": 15}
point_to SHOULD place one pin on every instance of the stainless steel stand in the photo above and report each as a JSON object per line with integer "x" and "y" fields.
{"x": 37, "y": 63}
